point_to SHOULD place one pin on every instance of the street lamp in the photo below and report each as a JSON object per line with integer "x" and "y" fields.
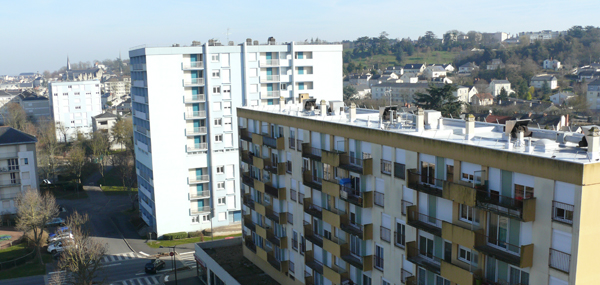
{"x": 172, "y": 254}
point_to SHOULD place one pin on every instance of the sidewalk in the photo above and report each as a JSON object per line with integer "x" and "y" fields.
{"x": 187, "y": 277}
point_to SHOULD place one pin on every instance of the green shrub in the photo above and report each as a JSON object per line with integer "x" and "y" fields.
{"x": 195, "y": 234}
{"x": 173, "y": 236}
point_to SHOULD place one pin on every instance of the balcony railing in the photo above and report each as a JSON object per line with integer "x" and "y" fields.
{"x": 10, "y": 182}
{"x": 195, "y": 114}
{"x": 198, "y": 147}
{"x": 424, "y": 222}
{"x": 138, "y": 66}
{"x": 507, "y": 206}
{"x": 385, "y": 233}
{"x": 248, "y": 201}
{"x": 308, "y": 179}
{"x": 425, "y": 184}
{"x": 275, "y": 191}
{"x": 195, "y": 98}
{"x": 247, "y": 179}
{"x": 269, "y": 94}
{"x": 197, "y": 131}
{"x": 194, "y": 65}
{"x": 562, "y": 212}
{"x": 269, "y": 62}
{"x": 292, "y": 143}
{"x": 200, "y": 194}
{"x": 312, "y": 209}
{"x": 379, "y": 199}
{"x": 386, "y": 167}
{"x": 405, "y": 204}
{"x": 423, "y": 258}
{"x": 362, "y": 165}
{"x": 249, "y": 223}
{"x": 356, "y": 197}
{"x": 312, "y": 262}
{"x": 194, "y": 81}
{"x": 351, "y": 227}
{"x": 250, "y": 245}
{"x": 245, "y": 135}
{"x": 200, "y": 210}
{"x": 311, "y": 152}
{"x": 269, "y": 78}
{"x": 199, "y": 179}
{"x": 560, "y": 260}
{"x": 273, "y": 215}
{"x": 521, "y": 256}
{"x": 405, "y": 275}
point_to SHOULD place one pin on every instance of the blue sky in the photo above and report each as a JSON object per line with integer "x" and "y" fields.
{"x": 38, "y": 35}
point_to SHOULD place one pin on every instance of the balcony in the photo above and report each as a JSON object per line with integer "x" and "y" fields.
{"x": 193, "y": 65}
{"x": 336, "y": 274}
{"x": 459, "y": 273}
{"x": 269, "y": 78}
{"x": 248, "y": 201}
{"x": 245, "y": 135}
{"x": 198, "y": 147}
{"x": 459, "y": 235}
{"x": 198, "y": 98}
{"x": 404, "y": 276}
{"x": 281, "y": 266}
{"x": 309, "y": 180}
{"x": 275, "y": 143}
{"x": 193, "y": 82}
{"x": 422, "y": 258}
{"x": 200, "y": 210}
{"x": 261, "y": 229}
{"x": 330, "y": 187}
{"x": 521, "y": 256}
{"x": 260, "y": 208}
{"x": 364, "y": 263}
{"x": 425, "y": 184}
{"x": 312, "y": 236}
{"x": 312, "y": 209}
{"x": 311, "y": 152}
{"x": 199, "y": 179}
{"x": 518, "y": 208}
{"x": 249, "y": 223}
{"x": 258, "y": 162}
{"x": 560, "y": 260}
{"x": 250, "y": 244}
{"x": 424, "y": 222}
{"x": 364, "y": 232}
{"x": 10, "y": 182}
{"x": 356, "y": 197}
{"x": 269, "y": 94}
{"x": 462, "y": 192}
{"x": 247, "y": 157}
{"x": 269, "y": 62}
{"x": 275, "y": 168}
{"x": 405, "y": 205}
{"x": 334, "y": 245}
{"x": 274, "y": 215}
{"x": 196, "y": 131}
{"x": 195, "y": 115}
{"x": 312, "y": 263}
{"x": 362, "y": 166}
{"x": 279, "y": 241}
{"x": 200, "y": 195}
{"x": 138, "y": 66}
{"x": 331, "y": 157}
{"x": 276, "y": 192}
{"x": 247, "y": 179}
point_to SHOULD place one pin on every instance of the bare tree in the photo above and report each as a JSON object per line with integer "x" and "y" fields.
{"x": 126, "y": 171}
{"x": 62, "y": 129}
{"x": 48, "y": 145}
{"x": 82, "y": 258}
{"x": 122, "y": 132}
{"x": 15, "y": 116}
{"x": 34, "y": 210}
{"x": 100, "y": 145}
{"x": 76, "y": 158}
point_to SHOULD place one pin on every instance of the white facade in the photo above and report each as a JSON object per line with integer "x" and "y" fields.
{"x": 560, "y": 98}
{"x": 551, "y": 64}
{"x": 73, "y": 104}
{"x": 184, "y": 101}
{"x": 538, "y": 81}
{"x": 496, "y": 87}
{"x": 18, "y": 167}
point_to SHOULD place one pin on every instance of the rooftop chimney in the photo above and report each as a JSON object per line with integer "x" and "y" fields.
{"x": 281, "y": 103}
{"x": 420, "y": 120}
{"x": 470, "y": 127}
{"x": 352, "y": 112}
{"x": 323, "y": 108}
{"x": 593, "y": 140}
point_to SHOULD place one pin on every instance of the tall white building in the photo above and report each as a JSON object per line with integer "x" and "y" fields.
{"x": 185, "y": 125}
{"x": 73, "y": 104}
{"x": 18, "y": 167}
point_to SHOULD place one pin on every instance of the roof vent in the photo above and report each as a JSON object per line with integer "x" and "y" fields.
{"x": 230, "y": 43}
{"x": 255, "y": 43}
{"x": 386, "y": 113}
{"x": 545, "y": 145}
{"x": 249, "y": 41}
{"x": 271, "y": 41}
{"x": 196, "y": 43}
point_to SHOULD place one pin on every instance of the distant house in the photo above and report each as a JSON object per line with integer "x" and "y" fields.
{"x": 593, "y": 94}
{"x": 482, "y": 99}
{"x": 495, "y": 64}
{"x": 104, "y": 123}
{"x": 36, "y": 107}
{"x": 448, "y": 67}
{"x": 551, "y": 64}
{"x": 441, "y": 80}
{"x": 359, "y": 79}
{"x": 125, "y": 106}
{"x": 434, "y": 71}
{"x": 399, "y": 70}
{"x": 462, "y": 93}
{"x": 588, "y": 75}
{"x": 414, "y": 68}
{"x": 497, "y": 85}
{"x": 467, "y": 67}
{"x": 560, "y": 98}
{"x": 539, "y": 80}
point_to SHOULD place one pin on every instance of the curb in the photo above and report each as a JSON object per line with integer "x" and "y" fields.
{"x": 121, "y": 234}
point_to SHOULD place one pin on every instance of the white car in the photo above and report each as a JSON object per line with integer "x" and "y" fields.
{"x": 60, "y": 236}
{"x": 58, "y": 246}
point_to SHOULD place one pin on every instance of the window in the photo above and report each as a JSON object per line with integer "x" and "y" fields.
{"x": 227, "y": 92}
{"x": 217, "y": 90}
{"x": 366, "y": 280}
{"x": 385, "y": 282}
{"x": 283, "y": 86}
{"x": 301, "y": 86}
{"x": 218, "y": 122}
{"x": 386, "y": 167}
{"x": 221, "y": 201}
{"x": 400, "y": 235}
{"x": 379, "y": 257}
{"x": 77, "y": 107}
{"x": 300, "y": 70}
{"x": 469, "y": 214}
{"x": 220, "y": 169}
{"x": 205, "y": 218}
{"x": 216, "y": 73}
{"x": 467, "y": 177}
{"x": 295, "y": 240}
{"x": 220, "y": 185}
{"x": 219, "y": 138}
{"x": 215, "y": 57}
{"x": 523, "y": 192}
{"x": 399, "y": 170}
{"x": 25, "y": 161}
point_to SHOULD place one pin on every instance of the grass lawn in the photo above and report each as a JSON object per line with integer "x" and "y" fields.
{"x": 31, "y": 268}
{"x": 113, "y": 185}
{"x": 158, "y": 244}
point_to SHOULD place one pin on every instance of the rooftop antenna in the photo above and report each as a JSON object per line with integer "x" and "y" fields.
{"x": 227, "y": 34}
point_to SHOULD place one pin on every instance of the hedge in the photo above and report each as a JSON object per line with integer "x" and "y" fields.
{"x": 173, "y": 236}
{"x": 195, "y": 234}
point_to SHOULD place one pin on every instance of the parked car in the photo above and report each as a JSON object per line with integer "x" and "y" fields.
{"x": 60, "y": 236}
{"x": 55, "y": 222}
{"x": 58, "y": 246}
{"x": 154, "y": 265}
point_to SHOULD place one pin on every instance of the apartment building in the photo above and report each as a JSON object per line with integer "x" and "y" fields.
{"x": 72, "y": 105}
{"x": 18, "y": 167}
{"x": 186, "y": 132}
{"x": 355, "y": 197}
{"x": 593, "y": 94}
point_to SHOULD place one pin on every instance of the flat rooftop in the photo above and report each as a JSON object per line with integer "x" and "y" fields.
{"x": 545, "y": 143}
{"x": 233, "y": 261}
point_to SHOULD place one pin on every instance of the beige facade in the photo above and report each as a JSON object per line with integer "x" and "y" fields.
{"x": 328, "y": 200}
